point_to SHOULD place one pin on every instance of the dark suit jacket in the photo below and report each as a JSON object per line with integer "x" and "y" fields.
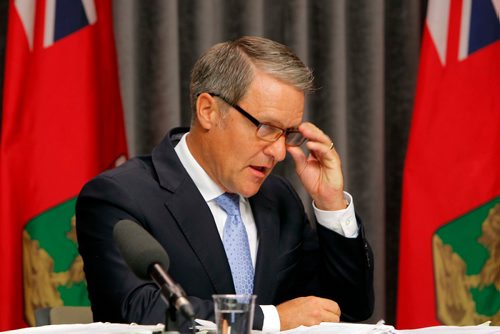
{"x": 294, "y": 258}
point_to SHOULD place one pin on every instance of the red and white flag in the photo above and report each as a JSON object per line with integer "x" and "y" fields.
{"x": 62, "y": 124}
{"x": 450, "y": 228}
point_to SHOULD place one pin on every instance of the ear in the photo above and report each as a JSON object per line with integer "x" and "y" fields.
{"x": 206, "y": 111}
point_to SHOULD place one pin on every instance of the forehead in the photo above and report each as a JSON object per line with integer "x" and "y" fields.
{"x": 274, "y": 101}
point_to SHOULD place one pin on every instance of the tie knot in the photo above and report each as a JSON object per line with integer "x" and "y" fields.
{"x": 229, "y": 203}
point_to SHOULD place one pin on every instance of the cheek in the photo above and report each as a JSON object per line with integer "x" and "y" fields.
{"x": 228, "y": 157}
{"x": 237, "y": 145}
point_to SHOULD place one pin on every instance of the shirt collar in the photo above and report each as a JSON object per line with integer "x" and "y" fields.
{"x": 207, "y": 187}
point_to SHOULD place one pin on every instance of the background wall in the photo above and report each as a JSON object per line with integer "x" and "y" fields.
{"x": 364, "y": 54}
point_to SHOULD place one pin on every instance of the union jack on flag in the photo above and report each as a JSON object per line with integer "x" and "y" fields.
{"x": 479, "y": 26}
{"x": 62, "y": 17}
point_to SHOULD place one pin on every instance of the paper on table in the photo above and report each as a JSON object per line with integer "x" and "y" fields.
{"x": 479, "y": 329}
{"x": 344, "y": 328}
{"x": 205, "y": 325}
{"x": 209, "y": 327}
{"x": 93, "y": 328}
{"x": 379, "y": 328}
{"x": 326, "y": 327}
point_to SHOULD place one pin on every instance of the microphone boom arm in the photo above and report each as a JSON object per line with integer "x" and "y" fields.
{"x": 175, "y": 293}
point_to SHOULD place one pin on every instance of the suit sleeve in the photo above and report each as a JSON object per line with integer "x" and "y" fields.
{"x": 348, "y": 277}
{"x": 116, "y": 294}
{"x": 337, "y": 268}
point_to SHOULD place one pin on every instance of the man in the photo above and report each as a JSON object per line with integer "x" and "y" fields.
{"x": 247, "y": 102}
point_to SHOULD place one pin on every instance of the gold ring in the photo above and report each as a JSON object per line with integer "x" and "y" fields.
{"x": 331, "y": 146}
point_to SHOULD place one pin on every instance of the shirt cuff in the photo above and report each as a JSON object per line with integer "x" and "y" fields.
{"x": 271, "y": 319}
{"x": 342, "y": 221}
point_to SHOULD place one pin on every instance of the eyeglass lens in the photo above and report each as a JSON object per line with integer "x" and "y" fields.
{"x": 294, "y": 138}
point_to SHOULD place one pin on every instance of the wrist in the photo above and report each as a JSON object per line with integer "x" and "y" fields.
{"x": 333, "y": 204}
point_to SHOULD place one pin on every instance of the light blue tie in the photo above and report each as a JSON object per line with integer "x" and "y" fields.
{"x": 236, "y": 245}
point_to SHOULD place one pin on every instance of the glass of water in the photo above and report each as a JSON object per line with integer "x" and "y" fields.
{"x": 234, "y": 313}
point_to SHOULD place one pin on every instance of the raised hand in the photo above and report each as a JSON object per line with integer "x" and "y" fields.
{"x": 320, "y": 171}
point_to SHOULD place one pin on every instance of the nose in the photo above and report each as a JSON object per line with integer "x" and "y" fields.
{"x": 277, "y": 149}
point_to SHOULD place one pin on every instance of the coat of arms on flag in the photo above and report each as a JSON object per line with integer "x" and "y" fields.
{"x": 466, "y": 267}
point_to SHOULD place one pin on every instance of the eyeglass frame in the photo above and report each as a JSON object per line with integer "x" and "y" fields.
{"x": 258, "y": 124}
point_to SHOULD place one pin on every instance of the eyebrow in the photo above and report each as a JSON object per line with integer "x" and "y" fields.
{"x": 252, "y": 118}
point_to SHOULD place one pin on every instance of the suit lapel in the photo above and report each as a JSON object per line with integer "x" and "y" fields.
{"x": 191, "y": 213}
{"x": 195, "y": 220}
{"x": 267, "y": 221}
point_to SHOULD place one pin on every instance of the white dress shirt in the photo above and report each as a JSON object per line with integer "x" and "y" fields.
{"x": 342, "y": 222}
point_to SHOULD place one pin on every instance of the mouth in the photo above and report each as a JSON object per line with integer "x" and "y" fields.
{"x": 260, "y": 170}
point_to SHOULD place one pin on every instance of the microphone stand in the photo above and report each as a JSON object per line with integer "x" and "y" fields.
{"x": 171, "y": 320}
{"x": 173, "y": 300}
{"x": 171, "y": 326}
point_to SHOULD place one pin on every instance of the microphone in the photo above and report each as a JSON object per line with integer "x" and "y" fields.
{"x": 147, "y": 259}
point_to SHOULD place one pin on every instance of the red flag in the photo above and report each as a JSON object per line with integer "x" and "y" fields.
{"x": 62, "y": 124}
{"x": 450, "y": 230}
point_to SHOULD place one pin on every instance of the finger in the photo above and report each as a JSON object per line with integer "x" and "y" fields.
{"x": 319, "y": 144}
{"x": 328, "y": 316}
{"x": 313, "y": 133}
{"x": 333, "y": 318}
{"x": 329, "y": 305}
{"x": 333, "y": 307}
{"x": 299, "y": 158}
{"x": 321, "y": 150}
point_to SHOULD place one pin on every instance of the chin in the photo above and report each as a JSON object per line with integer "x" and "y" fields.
{"x": 248, "y": 185}
{"x": 250, "y": 190}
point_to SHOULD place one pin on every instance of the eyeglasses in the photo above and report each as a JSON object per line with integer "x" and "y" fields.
{"x": 268, "y": 132}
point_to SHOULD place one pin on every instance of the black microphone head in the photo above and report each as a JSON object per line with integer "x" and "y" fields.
{"x": 139, "y": 249}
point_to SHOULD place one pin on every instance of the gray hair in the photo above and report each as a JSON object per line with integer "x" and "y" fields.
{"x": 228, "y": 68}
